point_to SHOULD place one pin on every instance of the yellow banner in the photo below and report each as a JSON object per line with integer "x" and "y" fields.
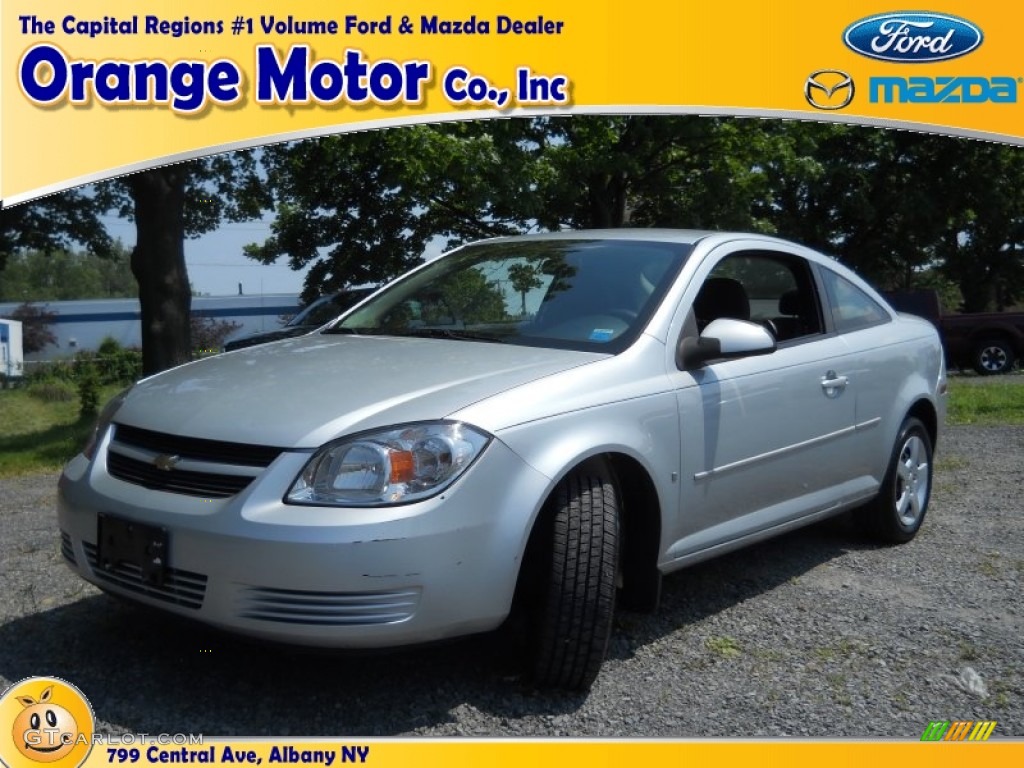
{"x": 553, "y": 754}
{"x": 94, "y": 88}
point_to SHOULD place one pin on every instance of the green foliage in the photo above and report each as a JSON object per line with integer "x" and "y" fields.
{"x": 523, "y": 277}
{"x": 88, "y": 390}
{"x": 208, "y": 334}
{"x": 110, "y": 365}
{"x": 898, "y": 207}
{"x": 64, "y": 275}
{"x": 950, "y": 296}
{"x": 470, "y": 297}
{"x": 116, "y": 364}
{"x": 356, "y": 208}
{"x": 52, "y": 370}
{"x": 54, "y": 222}
{"x": 52, "y": 391}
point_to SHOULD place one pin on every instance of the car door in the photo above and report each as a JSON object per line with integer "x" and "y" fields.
{"x": 763, "y": 438}
{"x": 880, "y": 364}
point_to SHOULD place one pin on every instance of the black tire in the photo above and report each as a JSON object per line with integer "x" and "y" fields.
{"x": 576, "y": 600}
{"x": 993, "y": 356}
{"x": 897, "y": 513}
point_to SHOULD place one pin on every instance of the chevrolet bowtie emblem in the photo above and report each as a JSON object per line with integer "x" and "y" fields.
{"x": 166, "y": 461}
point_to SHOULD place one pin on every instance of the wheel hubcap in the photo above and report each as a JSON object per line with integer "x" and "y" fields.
{"x": 912, "y": 481}
{"x": 993, "y": 358}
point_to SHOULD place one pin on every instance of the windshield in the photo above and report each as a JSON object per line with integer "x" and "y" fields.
{"x": 593, "y": 295}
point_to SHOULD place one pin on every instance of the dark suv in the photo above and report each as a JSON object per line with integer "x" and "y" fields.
{"x": 321, "y": 311}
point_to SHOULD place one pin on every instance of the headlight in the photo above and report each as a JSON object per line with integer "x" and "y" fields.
{"x": 393, "y": 466}
{"x": 106, "y": 416}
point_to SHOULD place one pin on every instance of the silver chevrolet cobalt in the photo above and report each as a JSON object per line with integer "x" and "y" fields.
{"x": 533, "y": 427}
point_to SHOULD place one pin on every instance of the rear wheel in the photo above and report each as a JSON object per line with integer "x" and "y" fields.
{"x": 576, "y": 589}
{"x": 896, "y": 514}
{"x": 993, "y": 356}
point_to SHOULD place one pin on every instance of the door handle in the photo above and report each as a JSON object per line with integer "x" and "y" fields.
{"x": 833, "y": 383}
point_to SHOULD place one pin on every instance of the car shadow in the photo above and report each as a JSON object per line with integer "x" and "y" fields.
{"x": 145, "y": 672}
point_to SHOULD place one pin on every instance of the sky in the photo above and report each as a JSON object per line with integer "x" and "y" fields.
{"x": 216, "y": 263}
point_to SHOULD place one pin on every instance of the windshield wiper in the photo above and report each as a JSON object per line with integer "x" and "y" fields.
{"x": 425, "y": 333}
{"x": 448, "y": 333}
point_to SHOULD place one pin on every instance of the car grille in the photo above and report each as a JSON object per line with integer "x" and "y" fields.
{"x": 65, "y": 547}
{"x": 183, "y": 588}
{"x": 217, "y": 451}
{"x": 211, "y": 469}
{"x": 204, "y": 484}
{"x": 328, "y": 608}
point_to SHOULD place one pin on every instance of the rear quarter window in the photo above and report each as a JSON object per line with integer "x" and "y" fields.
{"x": 852, "y": 308}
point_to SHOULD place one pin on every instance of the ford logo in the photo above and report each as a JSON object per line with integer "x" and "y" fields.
{"x": 912, "y": 37}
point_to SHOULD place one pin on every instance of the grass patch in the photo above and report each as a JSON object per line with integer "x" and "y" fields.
{"x": 52, "y": 391}
{"x": 990, "y": 564}
{"x": 951, "y": 463}
{"x": 900, "y": 701}
{"x": 725, "y": 646}
{"x": 994, "y": 402}
{"x": 41, "y": 435}
{"x": 969, "y": 651}
{"x": 843, "y": 649}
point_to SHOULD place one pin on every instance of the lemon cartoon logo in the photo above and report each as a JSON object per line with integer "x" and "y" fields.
{"x": 51, "y": 722}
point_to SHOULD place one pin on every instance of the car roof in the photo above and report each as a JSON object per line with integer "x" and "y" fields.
{"x": 685, "y": 236}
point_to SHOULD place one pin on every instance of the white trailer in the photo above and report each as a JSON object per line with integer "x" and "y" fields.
{"x": 12, "y": 356}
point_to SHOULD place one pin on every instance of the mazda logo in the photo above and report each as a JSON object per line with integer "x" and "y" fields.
{"x": 828, "y": 89}
{"x": 166, "y": 461}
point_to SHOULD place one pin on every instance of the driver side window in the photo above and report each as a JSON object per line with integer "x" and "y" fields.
{"x": 772, "y": 289}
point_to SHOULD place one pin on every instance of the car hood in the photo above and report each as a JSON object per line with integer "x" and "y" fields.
{"x": 302, "y": 392}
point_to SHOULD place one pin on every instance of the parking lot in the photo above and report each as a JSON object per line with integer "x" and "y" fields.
{"x": 814, "y": 634}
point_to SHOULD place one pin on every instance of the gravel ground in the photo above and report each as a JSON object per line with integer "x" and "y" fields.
{"x": 815, "y": 634}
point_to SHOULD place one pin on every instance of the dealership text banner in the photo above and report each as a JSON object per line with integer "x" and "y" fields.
{"x": 95, "y": 89}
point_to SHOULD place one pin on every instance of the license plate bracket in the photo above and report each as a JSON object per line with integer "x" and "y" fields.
{"x": 135, "y": 544}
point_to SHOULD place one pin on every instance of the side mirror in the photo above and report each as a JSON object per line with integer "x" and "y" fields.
{"x": 724, "y": 339}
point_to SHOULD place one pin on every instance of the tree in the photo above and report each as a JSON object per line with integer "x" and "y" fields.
{"x": 61, "y": 275}
{"x": 981, "y": 246}
{"x": 167, "y": 205}
{"x": 468, "y": 296}
{"x": 524, "y": 279}
{"x": 677, "y": 171}
{"x": 907, "y": 210}
{"x": 858, "y": 193}
{"x": 362, "y": 207}
{"x": 36, "y": 332}
{"x": 53, "y": 222}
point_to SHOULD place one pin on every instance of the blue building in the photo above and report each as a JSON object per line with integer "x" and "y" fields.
{"x": 82, "y": 325}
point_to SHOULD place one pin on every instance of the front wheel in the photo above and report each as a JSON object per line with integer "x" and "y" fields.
{"x": 993, "y": 356}
{"x": 896, "y": 514}
{"x": 573, "y": 619}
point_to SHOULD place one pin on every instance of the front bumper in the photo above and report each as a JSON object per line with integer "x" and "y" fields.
{"x": 340, "y": 577}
